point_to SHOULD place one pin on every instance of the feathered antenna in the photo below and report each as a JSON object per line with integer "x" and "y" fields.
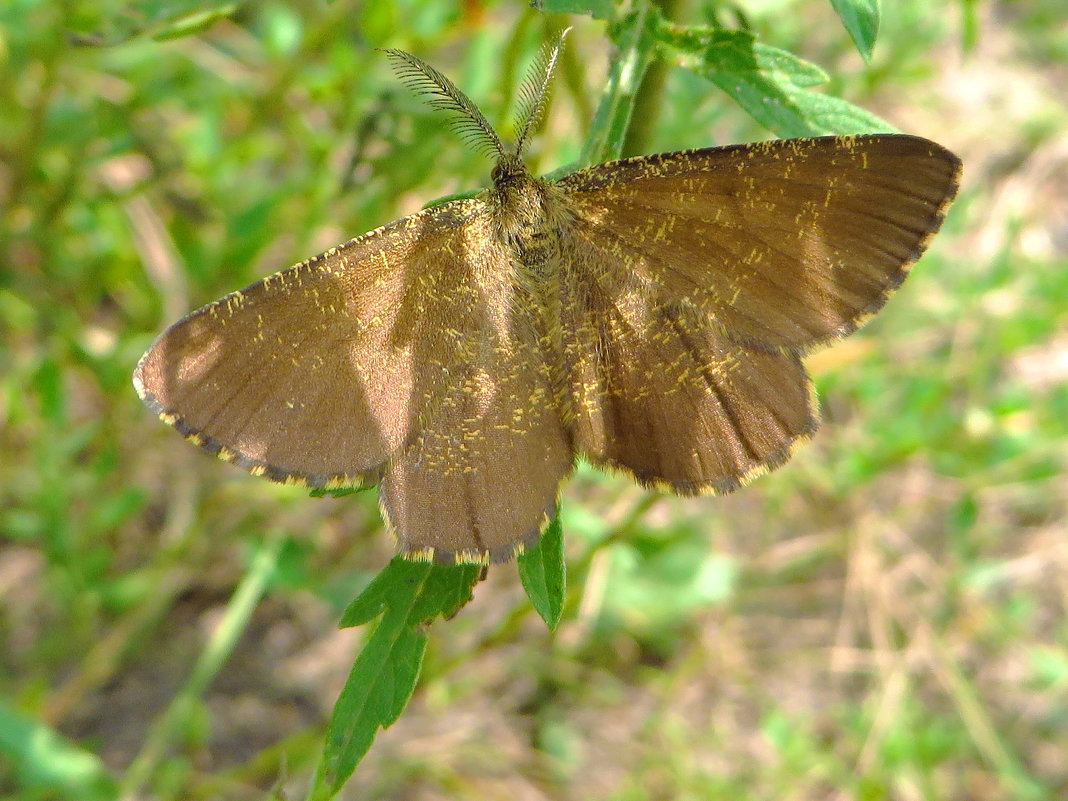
{"x": 471, "y": 125}
{"x": 534, "y": 91}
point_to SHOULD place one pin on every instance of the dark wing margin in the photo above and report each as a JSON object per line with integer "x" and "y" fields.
{"x": 787, "y": 244}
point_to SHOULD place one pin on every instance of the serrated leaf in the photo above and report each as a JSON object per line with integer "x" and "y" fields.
{"x": 390, "y": 584}
{"x": 861, "y": 19}
{"x": 770, "y": 84}
{"x": 406, "y": 595}
{"x": 542, "y": 571}
{"x": 446, "y": 591}
{"x": 378, "y": 688}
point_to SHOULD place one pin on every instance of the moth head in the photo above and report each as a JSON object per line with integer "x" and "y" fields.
{"x": 509, "y": 171}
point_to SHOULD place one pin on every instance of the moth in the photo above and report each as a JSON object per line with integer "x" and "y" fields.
{"x": 649, "y": 315}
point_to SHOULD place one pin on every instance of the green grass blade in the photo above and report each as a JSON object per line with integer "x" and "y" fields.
{"x": 223, "y": 641}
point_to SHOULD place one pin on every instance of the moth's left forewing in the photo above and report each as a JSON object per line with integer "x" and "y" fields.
{"x": 317, "y": 374}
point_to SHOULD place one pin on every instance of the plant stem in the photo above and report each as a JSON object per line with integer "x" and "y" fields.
{"x": 212, "y": 658}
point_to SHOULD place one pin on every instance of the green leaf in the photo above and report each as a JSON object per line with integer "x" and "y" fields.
{"x": 449, "y": 198}
{"x": 542, "y": 571}
{"x": 861, "y": 19}
{"x": 338, "y": 492}
{"x": 407, "y": 595}
{"x": 598, "y": 9}
{"x": 772, "y": 85}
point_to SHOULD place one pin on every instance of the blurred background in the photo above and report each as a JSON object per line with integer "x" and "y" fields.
{"x": 883, "y": 618}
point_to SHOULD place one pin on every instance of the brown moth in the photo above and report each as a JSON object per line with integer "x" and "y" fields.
{"x": 648, "y": 314}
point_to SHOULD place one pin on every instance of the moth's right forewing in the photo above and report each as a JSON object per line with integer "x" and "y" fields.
{"x": 788, "y": 244}
{"x": 318, "y": 373}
